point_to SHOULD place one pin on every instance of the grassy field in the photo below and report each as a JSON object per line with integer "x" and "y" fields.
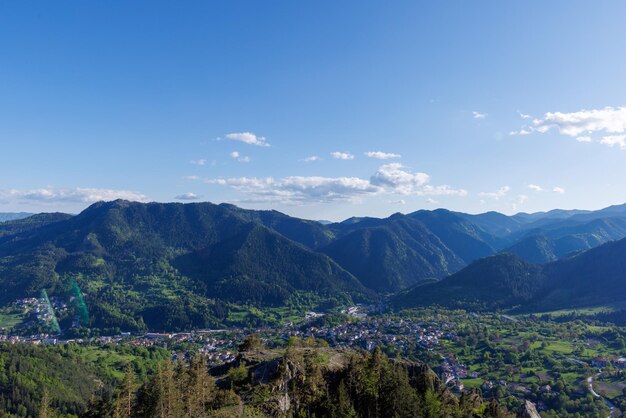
{"x": 9, "y": 320}
{"x": 610, "y": 387}
{"x": 112, "y": 361}
{"x": 472, "y": 383}
{"x": 590, "y": 310}
{"x": 108, "y": 360}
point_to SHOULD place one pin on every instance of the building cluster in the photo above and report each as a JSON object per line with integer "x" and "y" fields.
{"x": 451, "y": 371}
{"x": 37, "y": 310}
{"x": 39, "y": 339}
{"x": 368, "y": 333}
{"x": 617, "y": 362}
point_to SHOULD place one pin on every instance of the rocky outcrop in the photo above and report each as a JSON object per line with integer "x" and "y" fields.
{"x": 528, "y": 410}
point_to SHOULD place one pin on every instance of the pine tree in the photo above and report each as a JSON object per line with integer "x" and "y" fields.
{"x": 125, "y": 401}
{"x": 44, "y": 408}
{"x": 172, "y": 399}
{"x": 344, "y": 403}
{"x": 432, "y": 405}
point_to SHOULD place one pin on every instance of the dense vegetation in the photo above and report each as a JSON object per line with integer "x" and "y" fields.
{"x": 66, "y": 378}
{"x": 166, "y": 266}
{"x": 11, "y": 216}
{"x": 302, "y": 381}
{"x": 174, "y": 266}
{"x": 590, "y": 278}
{"x": 545, "y": 359}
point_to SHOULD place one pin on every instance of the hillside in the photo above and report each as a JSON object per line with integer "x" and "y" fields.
{"x": 468, "y": 240}
{"x": 593, "y": 277}
{"x": 503, "y": 280}
{"x": 172, "y": 266}
{"x": 393, "y": 254}
{"x": 165, "y": 265}
{"x": 558, "y": 239}
{"x": 12, "y": 216}
{"x": 17, "y": 226}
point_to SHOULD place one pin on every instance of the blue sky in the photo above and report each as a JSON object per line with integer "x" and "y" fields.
{"x": 473, "y": 106}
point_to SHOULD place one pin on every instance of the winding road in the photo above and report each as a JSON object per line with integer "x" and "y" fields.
{"x": 608, "y": 403}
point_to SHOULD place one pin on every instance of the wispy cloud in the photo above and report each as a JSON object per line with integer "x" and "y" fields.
{"x": 248, "y": 138}
{"x": 299, "y": 190}
{"x": 608, "y": 123}
{"x": 342, "y": 155}
{"x": 614, "y": 141}
{"x": 198, "y": 162}
{"x": 50, "y": 195}
{"x": 535, "y": 187}
{"x": 241, "y": 158}
{"x": 479, "y": 115}
{"x": 519, "y": 200}
{"x": 379, "y": 155}
{"x": 311, "y": 159}
{"x": 498, "y": 194}
{"x": 187, "y": 196}
{"x": 558, "y": 190}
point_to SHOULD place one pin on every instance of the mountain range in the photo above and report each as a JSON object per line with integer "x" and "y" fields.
{"x": 11, "y": 216}
{"x": 168, "y": 265}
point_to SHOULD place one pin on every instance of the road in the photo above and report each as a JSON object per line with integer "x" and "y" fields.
{"x": 608, "y": 403}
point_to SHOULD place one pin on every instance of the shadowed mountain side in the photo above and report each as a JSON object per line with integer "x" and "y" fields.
{"x": 394, "y": 255}
{"x": 593, "y": 277}
{"x": 500, "y": 281}
{"x": 262, "y": 266}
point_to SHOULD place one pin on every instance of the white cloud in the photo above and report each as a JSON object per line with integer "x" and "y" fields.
{"x": 444, "y": 190}
{"x": 191, "y": 178}
{"x": 582, "y": 125}
{"x": 521, "y": 132}
{"x": 615, "y": 140}
{"x": 187, "y": 196}
{"x": 311, "y": 159}
{"x": 431, "y": 201}
{"x": 519, "y": 200}
{"x": 558, "y": 190}
{"x": 299, "y": 190}
{"x": 535, "y": 187}
{"x": 242, "y": 159}
{"x": 198, "y": 162}
{"x": 382, "y": 155}
{"x": 397, "y": 178}
{"x": 342, "y": 155}
{"x": 389, "y": 179}
{"x": 248, "y": 138}
{"x": 501, "y": 192}
{"x": 478, "y": 115}
{"x": 524, "y": 115}
{"x": 50, "y": 195}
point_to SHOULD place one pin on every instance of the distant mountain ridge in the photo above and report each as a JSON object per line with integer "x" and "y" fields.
{"x": 12, "y": 216}
{"x": 505, "y": 281}
{"x": 170, "y": 264}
